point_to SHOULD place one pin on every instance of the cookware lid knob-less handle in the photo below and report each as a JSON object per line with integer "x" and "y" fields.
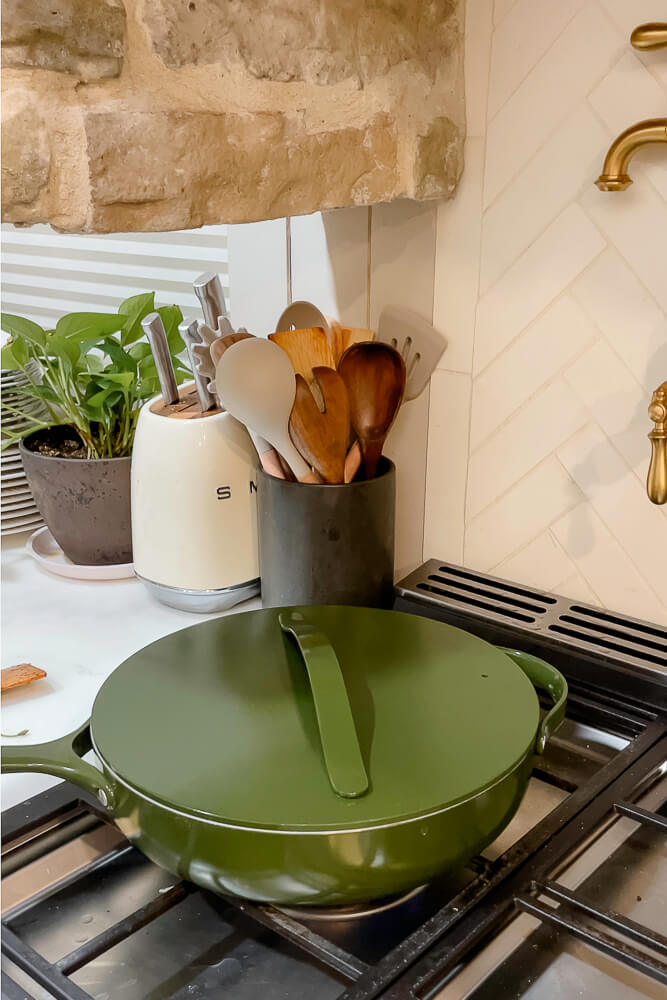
{"x": 338, "y": 734}
{"x": 543, "y": 675}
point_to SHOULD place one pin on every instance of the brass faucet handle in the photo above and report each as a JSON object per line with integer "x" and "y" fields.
{"x": 649, "y": 36}
{"x": 656, "y": 483}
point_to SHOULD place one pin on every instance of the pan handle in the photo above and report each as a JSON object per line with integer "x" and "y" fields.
{"x": 62, "y": 758}
{"x": 544, "y": 676}
{"x": 338, "y": 734}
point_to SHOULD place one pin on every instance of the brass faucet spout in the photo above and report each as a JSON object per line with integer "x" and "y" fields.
{"x": 614, "y": 176}
{"x": 656, "y": 484}
{"x": 649, "y": 36}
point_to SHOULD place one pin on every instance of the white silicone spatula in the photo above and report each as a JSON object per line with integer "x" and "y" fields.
{"x": 420, "y": 345}
{"x": 256, "y": 383}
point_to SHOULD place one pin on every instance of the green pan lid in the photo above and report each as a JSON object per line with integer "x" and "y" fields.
{"x": 317, "y": 718}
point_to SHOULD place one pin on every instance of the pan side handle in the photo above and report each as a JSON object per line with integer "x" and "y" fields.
{"x": 544, "y": 676}
{"x": 62, "y": 758}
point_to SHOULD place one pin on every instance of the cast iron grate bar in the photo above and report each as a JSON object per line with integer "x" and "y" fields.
{"x": 64, "y": 883}
{"x": 631, "y": 929}
{"x": 284, "y": 925}
{"x": 122, "y": 930}
{"x": 641, "y": 815}
{"x": 10, "y": 991}
{"x": 596, "y": 939}
{"x": 442, "y": 940}
{"x": 42, "y": 972}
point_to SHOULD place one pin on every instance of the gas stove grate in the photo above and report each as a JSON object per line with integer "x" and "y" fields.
{"x": 562, "y": 825}
{"x": 497, "y": 889}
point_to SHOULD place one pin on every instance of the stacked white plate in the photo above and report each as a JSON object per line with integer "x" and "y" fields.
{"x": 18, "y": 509}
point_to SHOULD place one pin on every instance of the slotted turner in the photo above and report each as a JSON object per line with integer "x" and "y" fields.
{"x": 420, "y": 345}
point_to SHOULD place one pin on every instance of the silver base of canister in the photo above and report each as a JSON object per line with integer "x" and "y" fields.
{"x": 205, "y": 602}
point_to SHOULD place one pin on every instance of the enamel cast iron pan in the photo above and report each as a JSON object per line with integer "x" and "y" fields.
{"x": 319, "y": 755}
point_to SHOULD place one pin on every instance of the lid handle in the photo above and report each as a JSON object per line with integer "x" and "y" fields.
{"x": 338, "y": 735}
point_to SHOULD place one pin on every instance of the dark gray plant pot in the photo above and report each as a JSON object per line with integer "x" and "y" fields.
{"x": 85, "y": 503}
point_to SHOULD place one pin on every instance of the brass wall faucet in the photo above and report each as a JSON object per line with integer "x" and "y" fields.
{"x": 656, "y": 484}
{"x": 614, "y": 177}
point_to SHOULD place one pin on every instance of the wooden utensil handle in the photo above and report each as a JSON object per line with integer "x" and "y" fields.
{"x": 371, "y": 452}
{"x": 352, "y": 462}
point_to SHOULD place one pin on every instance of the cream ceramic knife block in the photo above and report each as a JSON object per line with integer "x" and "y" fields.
{"x": 194, "y": 522}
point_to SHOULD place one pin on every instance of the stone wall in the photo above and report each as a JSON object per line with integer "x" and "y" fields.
{"x": 169, "y": 114}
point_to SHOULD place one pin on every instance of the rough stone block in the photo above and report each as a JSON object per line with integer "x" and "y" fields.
{"x": 228, "y": 110}
{"x": 81, "y": 37}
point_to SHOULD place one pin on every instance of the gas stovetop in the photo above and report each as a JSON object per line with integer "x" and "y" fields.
{"x": 568, "y": 901}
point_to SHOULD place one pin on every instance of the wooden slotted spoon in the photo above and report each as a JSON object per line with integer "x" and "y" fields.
{"x": 322, "y": 437}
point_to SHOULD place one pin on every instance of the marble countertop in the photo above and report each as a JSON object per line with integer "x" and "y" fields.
{"x": 78, "y": 632}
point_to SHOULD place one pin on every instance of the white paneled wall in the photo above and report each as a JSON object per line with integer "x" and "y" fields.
{"x": 554, "y": 299}
{"x": 351, "y": 263}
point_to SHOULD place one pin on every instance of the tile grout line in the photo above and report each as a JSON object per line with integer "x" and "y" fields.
{"x": 625, "y": 552}
{"x": 479, "y": 263}
{"x": 538, "y": 61}
{"x": 428, "y": 387}
{"x": 564, "y": 290}
{"x": 547, "y": 527}
{"x": 559, "y": 373}
{"x": 611, "y": 244}
{"x": 534, "y": 466}
{"x": 577, "y": 568}
{"x": 288, "y": 256}
{"x": 547, "y": 138}
{"x": 517, "y": 482}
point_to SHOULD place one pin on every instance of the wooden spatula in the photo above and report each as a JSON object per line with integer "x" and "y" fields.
{"x": 356, "y": 335}
{"x": 322, "y": 437}
{"x": 307, "y": 349}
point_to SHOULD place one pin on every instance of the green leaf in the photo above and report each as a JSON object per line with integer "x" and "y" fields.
{"x": 121, "y": 359}
{"x": 117, "y": 378}
{"x": 133, "y": 310}
{"x": 14, "y": 355}
{"x": 140, "y": 351}
{"x": 84, "y": 325}
{"x": 66, "y": 349}
{"x": 171, "y": 317}
{"x": 19, "y": 327}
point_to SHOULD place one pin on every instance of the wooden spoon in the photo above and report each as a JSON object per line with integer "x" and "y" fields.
{"x": 374, "y": 375}
{"x": 257, "y": 384}
{"x": 322, "y": 438}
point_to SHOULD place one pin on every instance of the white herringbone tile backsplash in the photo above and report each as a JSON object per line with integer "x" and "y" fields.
{"x": 553, "y": 296}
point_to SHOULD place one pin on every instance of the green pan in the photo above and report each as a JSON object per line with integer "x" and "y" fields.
{"x": 311, "y": 756}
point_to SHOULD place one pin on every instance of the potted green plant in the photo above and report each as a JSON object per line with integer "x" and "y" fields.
{"x": 92, "y": 374}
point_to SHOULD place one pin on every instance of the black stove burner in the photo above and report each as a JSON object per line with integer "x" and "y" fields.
{"x": 115, "y": 926}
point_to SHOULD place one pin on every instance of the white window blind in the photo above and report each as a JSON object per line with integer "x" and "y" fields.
{"x": 46, "y": 274}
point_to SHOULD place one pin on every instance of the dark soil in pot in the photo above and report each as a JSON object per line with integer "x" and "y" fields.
{"x": 85, "y": 502}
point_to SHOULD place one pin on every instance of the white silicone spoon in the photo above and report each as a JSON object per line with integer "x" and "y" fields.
{"x": 256, "y": 383}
